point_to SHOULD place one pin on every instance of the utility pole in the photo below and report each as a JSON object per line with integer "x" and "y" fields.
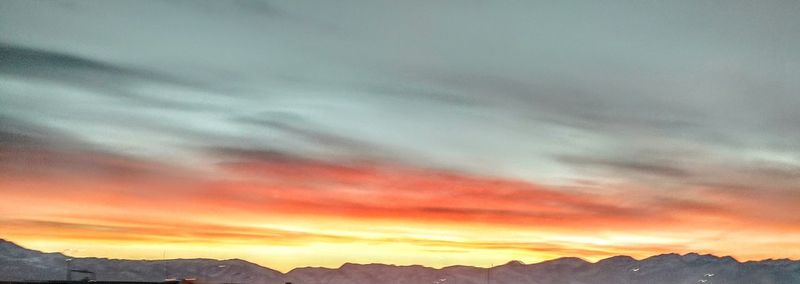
{"x": 69, "y": 269}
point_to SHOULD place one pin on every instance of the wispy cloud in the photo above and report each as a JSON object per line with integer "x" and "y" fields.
{"x": 604, "y": 124}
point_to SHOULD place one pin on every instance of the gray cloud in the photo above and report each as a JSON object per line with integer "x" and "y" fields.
{"x": 105, "y": 78}
{"x": 619, "y": 166}
{"x": 32, "y": 151}
{"x": 677, "y": 92}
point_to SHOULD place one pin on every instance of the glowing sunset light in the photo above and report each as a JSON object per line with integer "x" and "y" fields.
{"x": 317, "y": 134}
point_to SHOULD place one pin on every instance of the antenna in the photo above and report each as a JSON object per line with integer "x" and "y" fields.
{"x": 489, "y": 274}
{"x": 164, "y": 258}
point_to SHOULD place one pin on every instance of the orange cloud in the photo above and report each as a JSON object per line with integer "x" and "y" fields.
{"x": 288, "y": 205}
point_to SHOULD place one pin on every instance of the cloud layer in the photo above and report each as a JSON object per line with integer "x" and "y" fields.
{"x": 431, "y": 130}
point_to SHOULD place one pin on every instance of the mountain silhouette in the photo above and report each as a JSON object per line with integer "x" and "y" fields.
{"x": 18, "y": 263}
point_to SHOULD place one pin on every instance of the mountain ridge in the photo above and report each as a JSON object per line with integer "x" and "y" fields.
{"x": 19, "y": 263}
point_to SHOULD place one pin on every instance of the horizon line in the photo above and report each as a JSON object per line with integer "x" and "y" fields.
{"x": 410, "y": 265}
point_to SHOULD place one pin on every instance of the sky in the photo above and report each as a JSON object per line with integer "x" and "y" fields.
{"x": 314, "y": 133}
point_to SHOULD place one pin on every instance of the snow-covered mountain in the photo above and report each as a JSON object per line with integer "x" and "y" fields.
{"x": 18, "y": 263}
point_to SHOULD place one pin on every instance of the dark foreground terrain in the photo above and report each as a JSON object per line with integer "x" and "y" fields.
{"x": 18, "y": 263}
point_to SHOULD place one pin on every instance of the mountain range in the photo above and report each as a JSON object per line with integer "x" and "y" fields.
{"x": 18, "y": 263}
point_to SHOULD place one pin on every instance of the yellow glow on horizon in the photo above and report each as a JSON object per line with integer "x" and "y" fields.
{"x": 283, "y": 220}
{"x": 368, "y": 244}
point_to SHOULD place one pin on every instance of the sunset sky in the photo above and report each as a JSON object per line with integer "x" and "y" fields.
{"x": 314, "y": 133}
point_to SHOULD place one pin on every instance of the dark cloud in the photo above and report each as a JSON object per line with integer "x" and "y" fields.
{"x": 621, "y": 166}
{"x": 258, "y": 6}
{"x": 264, "y": 155}
{"x": 15, "y": 133}
{"x": 29, "y": 62}
{"x": 306, "y": 131}
{"x": 108, "y": 79}
{"x": 31, "y": 151}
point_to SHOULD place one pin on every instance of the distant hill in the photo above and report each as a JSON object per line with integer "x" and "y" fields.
{"x": 18, "y": 263}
